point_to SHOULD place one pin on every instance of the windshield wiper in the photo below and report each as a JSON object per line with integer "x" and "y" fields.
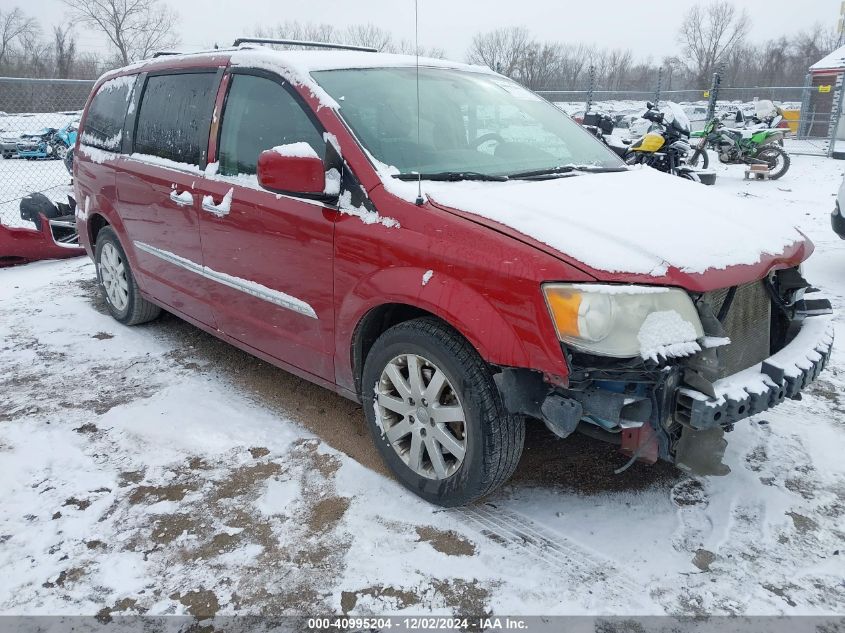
{"x": 452, "y": 176}
{"x": 565, "y": 169}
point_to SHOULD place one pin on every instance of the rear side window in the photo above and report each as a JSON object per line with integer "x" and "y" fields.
{"x": 106, "y": 114}
{"x": 174, "y": 117}
{"x": 261, "y": 114}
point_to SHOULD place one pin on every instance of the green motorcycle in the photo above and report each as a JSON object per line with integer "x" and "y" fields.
{"x": 739, "y": 146}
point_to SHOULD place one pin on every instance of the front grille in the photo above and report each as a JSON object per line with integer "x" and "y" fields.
{"x": 747, "y": 324}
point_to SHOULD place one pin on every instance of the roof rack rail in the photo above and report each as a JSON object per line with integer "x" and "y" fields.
{"x": 163, "y": 53}
{"x": 264, "y": 40}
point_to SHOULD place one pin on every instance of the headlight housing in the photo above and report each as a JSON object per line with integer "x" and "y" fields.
{"x": 624, "y": 321}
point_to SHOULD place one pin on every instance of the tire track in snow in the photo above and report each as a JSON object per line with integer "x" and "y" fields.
{"x": 552, "y": 549}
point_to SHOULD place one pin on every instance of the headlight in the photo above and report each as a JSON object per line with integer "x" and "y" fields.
{"x": 624, "y": 321}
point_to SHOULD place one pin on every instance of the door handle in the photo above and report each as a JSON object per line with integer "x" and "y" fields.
{"x": 184, "y": 199}
{"x": 220, "y": 210}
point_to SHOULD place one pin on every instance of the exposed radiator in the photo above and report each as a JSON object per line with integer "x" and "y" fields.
{"x": 747, "y": 324}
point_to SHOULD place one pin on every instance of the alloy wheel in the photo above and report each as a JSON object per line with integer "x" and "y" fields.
{"x": 421, "y": 416}
{"x": 113, "y": 277}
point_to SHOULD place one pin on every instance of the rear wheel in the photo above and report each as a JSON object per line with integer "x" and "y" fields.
{"x": 120, "y": 291}
{"x": 777, "y": 160}
{"x": 436, "y": 416}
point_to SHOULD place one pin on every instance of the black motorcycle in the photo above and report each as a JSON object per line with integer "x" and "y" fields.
{"x": 666, "y": 146}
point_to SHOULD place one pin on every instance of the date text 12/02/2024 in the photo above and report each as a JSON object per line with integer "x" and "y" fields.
{"x": 419, "y": 623}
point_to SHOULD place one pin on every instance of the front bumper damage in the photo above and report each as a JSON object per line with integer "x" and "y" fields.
{"x": 756, "y": 389}
{"x": 679, "y": 409}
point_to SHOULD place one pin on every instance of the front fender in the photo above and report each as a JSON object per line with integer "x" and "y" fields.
{"x": 448, "y": 298}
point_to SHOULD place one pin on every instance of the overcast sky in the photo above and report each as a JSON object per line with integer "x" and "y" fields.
{"x": 647, "y": 27}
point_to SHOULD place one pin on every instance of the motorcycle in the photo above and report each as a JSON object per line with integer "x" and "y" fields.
{"x": 666, "y": 144}
{"x": 737, "y": 146}
{"x": 601, "y": 126}
{"x": 758, "y": 145}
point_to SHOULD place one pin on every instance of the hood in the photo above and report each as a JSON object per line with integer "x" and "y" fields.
{"x": 638, "y": 226}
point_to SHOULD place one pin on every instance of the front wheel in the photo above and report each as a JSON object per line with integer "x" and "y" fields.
{"x": 699, "y": 159}
{"x": 776, "y": 158}
{"x": 436, "y": 415}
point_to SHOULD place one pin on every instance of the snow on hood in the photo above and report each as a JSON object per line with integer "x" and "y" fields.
{"x": 639, "y": 222}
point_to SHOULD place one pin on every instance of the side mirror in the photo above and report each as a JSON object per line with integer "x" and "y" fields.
{"x": 293, "y": 168}
{"x": 649, "y": 105}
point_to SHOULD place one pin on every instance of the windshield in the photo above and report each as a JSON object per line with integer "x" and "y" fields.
{"x": 469, "y": 123}
{"x": 677, "y": 116}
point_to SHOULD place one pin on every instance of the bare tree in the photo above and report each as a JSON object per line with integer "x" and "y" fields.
{"x": 369, "y": 35}
{"x": 709, "y": 33}
{"x": 502, "y": 49}
{"x": 136, "y": 28}
{"x": 64, "y": 50}
{"x": 15, "y": 30}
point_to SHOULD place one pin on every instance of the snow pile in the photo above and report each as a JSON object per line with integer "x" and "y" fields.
{"x": 427, "y": 277}
{"x": 296, "y": 150}
{"x": 366, "y": 216}
{"x": 666, "y": 334}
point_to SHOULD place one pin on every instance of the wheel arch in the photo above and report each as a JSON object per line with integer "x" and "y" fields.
{"x": 361, "y": 321}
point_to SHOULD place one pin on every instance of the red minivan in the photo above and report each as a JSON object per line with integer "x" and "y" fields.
{"x": 449, "y": 249}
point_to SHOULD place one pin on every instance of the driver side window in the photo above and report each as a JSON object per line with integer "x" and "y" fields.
{"x": 260, "y": 114}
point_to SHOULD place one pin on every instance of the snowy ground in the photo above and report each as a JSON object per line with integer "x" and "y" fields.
{"x": 157, "y": 470}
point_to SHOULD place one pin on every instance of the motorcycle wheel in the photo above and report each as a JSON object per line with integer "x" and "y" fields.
{"x": 777, "y": 159}
{"x": 699, "y": 159}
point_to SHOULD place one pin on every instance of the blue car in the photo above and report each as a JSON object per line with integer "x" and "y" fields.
{"x": 48, "y": 143}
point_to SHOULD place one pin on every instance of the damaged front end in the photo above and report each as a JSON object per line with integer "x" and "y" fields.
{"x": 758, "y": 344}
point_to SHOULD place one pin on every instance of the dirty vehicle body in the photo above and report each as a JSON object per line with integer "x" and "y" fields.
{"x": 459, "y": 273}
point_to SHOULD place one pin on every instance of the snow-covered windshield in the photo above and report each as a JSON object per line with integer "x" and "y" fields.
{"x": 469, "y": 122}
{"x": 676, "y": 114}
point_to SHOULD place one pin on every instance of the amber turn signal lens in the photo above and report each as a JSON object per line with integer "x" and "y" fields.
{"x": 564, "y": 304}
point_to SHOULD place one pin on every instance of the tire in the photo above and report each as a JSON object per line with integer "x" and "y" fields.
{"x": 491, "y": 438}
{"x": 699, "y": 156}
{"x": 123, "y": 299}
{"x": 632, "y": 158}
{"x": 772, "y": 154}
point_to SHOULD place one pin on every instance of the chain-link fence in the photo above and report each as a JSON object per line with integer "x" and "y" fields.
{"x": 38, "y": 124}
{"x": 38, "y": 119}
{"x": 813, "y": 117}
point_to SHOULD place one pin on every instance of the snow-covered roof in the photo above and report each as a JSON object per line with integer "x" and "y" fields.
{"x": 297, "y": 66}
{"x": 834, "y": 61}
{"x": 311, "y": 60}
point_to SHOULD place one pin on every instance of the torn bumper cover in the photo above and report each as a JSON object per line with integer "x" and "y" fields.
{"x": 783, "y": 375}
